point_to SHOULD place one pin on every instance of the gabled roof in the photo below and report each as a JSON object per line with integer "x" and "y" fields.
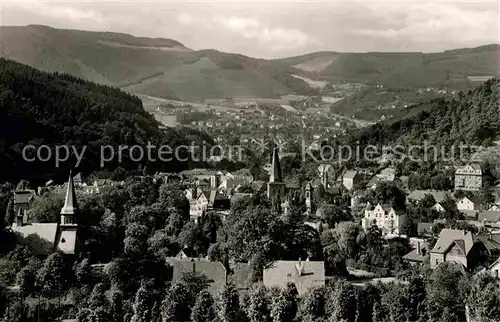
{"x": 491, "y": 242}
{"x": 473, "y": 198}
{"x": 350, "y": 174}
{"x": 241, "y": 276}
{"x": 414, "y": 256}
{"x": 214, "y": 271}
{"x": 449, "y": 237}
{"x": 23, "y": 196}
{"x": 304, "y": 274}
{"x": 439, "y": 196}
{"x": 47, "y": 232}
{"x": 424, "y": 227}
{"x": 238, "y": 196}
{"x": 488, "y": 216}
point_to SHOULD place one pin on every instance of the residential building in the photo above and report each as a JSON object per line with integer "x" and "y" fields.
{"x": 44, "y": 238}
{"x": 469, "y": 205}
{"x": 304, "y": 274}
{"x": 385, "y": 217}
{"x": 489, "y": 218}
{"x": 23, "y": 200}
{"x": 208, "y": 200}
{"x": 457, "y": 246}
{"x": 494, "y": 268}
{"x": 469, "y": 178}
{"x": 351, "y": 179}
{"x": 418, "y": 255}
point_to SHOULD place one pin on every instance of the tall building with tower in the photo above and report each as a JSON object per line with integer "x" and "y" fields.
{"x": 44, "y": 238}
{"x": 275, "y": 187}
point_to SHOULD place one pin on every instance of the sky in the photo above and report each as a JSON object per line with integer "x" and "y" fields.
{"x": 275, "y": 29}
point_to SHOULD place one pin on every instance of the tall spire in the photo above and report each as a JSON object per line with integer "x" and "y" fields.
{"x": 275, "y": 166}
{"x": 69, "y": 207}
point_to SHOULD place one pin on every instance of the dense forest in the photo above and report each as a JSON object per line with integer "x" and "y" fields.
{"x": 40, "y": 108}
{"x": 472, "y": 118}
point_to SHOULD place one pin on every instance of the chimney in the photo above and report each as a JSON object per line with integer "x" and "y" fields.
{"x": 300, "y": 267}
{"x": 419, "y": 250}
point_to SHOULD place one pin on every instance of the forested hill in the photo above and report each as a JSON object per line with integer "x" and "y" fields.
{"x": 53, "y": 109}
{"x": 472, "y": 118}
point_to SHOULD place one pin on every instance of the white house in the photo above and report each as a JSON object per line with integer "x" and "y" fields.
{"x": 469, "y": 205}
{"x": 384, "y": 217}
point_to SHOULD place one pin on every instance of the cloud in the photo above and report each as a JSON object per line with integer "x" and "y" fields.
{"x": 281, "y": 27}
{"x": 61, "y": 11}
{"x": 185, "y": 19}
{"x": 278, "y": 38}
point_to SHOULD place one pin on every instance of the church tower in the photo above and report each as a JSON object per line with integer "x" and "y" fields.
{"x": 67, "y": 235}
{"x": 275, "y": 186}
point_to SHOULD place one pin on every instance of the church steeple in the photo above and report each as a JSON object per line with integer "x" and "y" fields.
{"x": 275, "y": 186}
{"x": 69, "y": 209}
{"x": 275, "y": 175}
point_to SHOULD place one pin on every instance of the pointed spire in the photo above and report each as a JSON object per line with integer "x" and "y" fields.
{"x": 69, "y": 207}
{"x": 275, "y": 166}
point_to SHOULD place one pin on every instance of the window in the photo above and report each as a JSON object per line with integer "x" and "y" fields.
{"x": 437, "y": 261}
{"x": 63, "y": 240}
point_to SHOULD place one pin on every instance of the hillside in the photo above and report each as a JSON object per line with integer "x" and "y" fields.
{"x": 41, "y": 108}
{"x": 157, "y": 67}
{"x": 449, "y": 68}
{"x": 472, "y": 118}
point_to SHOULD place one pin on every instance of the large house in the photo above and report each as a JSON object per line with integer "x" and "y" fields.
{"x": 455, "y": 246}
{"x": 45, "y": 238}
{"x": 304, "y": 274}
{"x": 385, "y": 217}
{"x": 469, "y": 178}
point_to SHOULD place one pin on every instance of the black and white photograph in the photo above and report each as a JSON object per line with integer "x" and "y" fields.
{"x": 249, "y": 161}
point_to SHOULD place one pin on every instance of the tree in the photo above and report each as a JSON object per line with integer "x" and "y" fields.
{"x": 51, "y": 275}
{"x": 312, "y": 306}
{"x": 228, "y": 305}
{"x": 116, "y": 305}
{"x": 259, "y": 309}
{"x": 484, "y": 298}
{"x": 142, "y": 311}
{"x": 135, "y": 242}
{"x": 416, "y": 298}
{"x": 83, "y": 272}
{"x": 367, "y": 297}
{"x": 203, "y": 309}
{"x": 446, "y": 293}
{"x": 97, "y": 298}
{"x": 176, "y": 306}
{"x": 284, "y": 307}
{"x": 26, "y": 279}
{"x": 347, "y": 233}
{"x": 342, "y": 303}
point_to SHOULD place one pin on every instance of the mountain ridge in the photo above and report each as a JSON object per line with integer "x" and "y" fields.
{"x": 166, "y": 68}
